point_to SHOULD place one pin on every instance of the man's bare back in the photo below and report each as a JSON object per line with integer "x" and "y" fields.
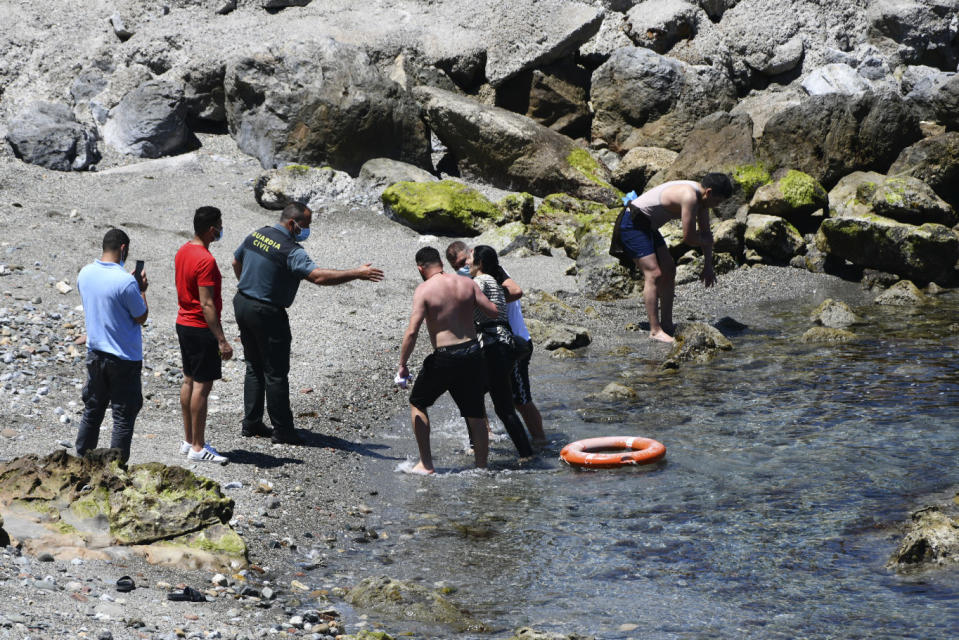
{"x": 448, "y": 301}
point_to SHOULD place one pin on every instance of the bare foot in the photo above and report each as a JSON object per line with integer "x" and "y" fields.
{"x": 420, "y": 470}
{"x": 662, "y": 336}
{"x": 526, "y": 459}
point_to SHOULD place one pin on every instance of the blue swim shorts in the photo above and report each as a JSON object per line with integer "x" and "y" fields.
{"x": 639, "y": 242}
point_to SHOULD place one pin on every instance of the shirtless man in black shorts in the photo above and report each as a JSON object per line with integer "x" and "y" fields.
{"x": 446, "y": 301}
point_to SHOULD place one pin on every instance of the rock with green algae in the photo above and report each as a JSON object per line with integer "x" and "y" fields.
{"x": 902, "y": 198}
{"x": 796, "y": 197}
{"x": 923, "y": 253}
{"x": 750, "y": 177}
{"x": 409, "y": 601}
{"x": 697, "y": 342}
{"x": 217, "y": 547}
{"x": 931, "y": 538}
{"x": 827, "y": 335}
{"x": 562, "y": 221}
{"x": 96, "y": 504}
{"x": 505, "y": 238}
{"x": 366, "y": 634}
{"x": 445, "y": 207}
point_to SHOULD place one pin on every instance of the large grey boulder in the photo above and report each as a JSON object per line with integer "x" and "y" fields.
{"x": 922, "y": 28}
{"x": 902, "y": 294}
{"x": 783, "y": 57}
{"x": 660, "y": 24}
{"x": 556, "y": 96}
{"x": 276, "y": 188}
{"x": 901, "y": 197}
{"x": 379, "y": 173}
{"x": 832, "y": 135}
{"x": 641, "y": 98}
{"x": 47, "y": 134}
{"x": 639, "y": 165}
{"x": 835, "y": 314}
{"x": 925, "y": 253}
{"x": 835, "y": 78}
{"x": 511, "y": 151}
{"x": 719, "y": 142}
{"x": 945, "y": 102}
{"x": 150, "y": 122}
{"x": 320, "y": 102}
{"x": 935, "y": 161}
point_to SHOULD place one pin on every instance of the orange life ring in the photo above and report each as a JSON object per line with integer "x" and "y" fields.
{"x": 637, "y": 451}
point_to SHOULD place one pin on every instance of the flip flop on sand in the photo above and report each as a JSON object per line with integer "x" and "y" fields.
{"x": 125, "y": 584}
{"x": 186, "y": 594}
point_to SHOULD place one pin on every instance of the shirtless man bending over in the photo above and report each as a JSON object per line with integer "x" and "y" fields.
{"x": 689, "y": 202}
{"x": 446, "y": 301}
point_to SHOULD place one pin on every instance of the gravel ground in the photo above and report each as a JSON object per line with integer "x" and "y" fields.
{"x": 346, "y": 342}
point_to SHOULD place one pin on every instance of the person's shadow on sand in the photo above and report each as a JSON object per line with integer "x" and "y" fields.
{"x": 258, "y": 459}
{"x": 312, "y": 439}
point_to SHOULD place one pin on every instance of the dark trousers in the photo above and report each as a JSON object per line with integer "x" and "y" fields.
{"x": 266, "y": 338}
{"x": 499, "y": 368}
{"x": 115, "y": 382}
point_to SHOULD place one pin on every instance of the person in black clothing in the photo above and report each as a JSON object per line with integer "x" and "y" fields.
{"x": 269, "y": 266}
{"x": 497, "y": 341}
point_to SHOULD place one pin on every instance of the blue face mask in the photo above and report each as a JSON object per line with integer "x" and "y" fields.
{"x": 302, "y": 234}
{"x": 219, "y": 234}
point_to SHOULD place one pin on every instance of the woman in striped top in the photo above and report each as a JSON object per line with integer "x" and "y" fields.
{"x": 497, "y": 341}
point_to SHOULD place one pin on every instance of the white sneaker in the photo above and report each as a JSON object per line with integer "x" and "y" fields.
{"x": 185, "y": 448}
{"x": 206, "y": 454}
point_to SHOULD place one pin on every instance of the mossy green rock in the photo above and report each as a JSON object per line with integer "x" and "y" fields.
{"x": 409, "y": 601}
{"x": 750, "y": 177}
{"x": 528, "y": 633}
{"x": 517, "y": 207}
{"x": 161, "y": 502}
{"x": 796, "y": 197}
{"x": 366, "y": 634}
{"x": 446, "y": 207}
{"x": 138, "y": 506}
{"x": 561, "y": 221}
{"x": 901, "y": 198}
{"x": 505, "y": 238}
{"x": 922, "y": 253}
{"x": 775, "y": 239}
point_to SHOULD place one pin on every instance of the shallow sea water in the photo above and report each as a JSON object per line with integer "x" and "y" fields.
{"x": 788, "y": 470}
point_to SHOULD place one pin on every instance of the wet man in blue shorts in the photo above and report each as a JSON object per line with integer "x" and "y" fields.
{"x": 689, "y": 202}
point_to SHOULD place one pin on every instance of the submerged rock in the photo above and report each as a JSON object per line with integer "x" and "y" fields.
{"x": 931, "y": 538}
{"x": 528, "y": 633}
{"x": 827, "y": 335}
{"x": 697, "y": 342}
{"x": 554, "y": 336}
{"x": 409, "y": 601}
{"x": 613, "y": 392}
{"x": 835, "y": 314}
{"x": 902, "y": 294}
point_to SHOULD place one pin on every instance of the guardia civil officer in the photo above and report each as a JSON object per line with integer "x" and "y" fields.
{"x": 269, "y": 266}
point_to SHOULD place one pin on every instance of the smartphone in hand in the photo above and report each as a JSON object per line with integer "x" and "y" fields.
{"x": 137, "y": 271}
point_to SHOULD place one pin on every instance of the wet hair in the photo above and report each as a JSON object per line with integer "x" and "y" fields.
{"x": 114, "y": 239}
{"x": 294, "y": 211}
{"x": 485, "y": 257}
{"x": 454, "y": 250}
{"x": 427, "y": 256}
{"x": 720, "y": 184}
{"x": 204, "y": 218}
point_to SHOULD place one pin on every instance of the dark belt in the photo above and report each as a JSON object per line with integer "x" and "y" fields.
{"x": 641, "y": 221}
{"x": 266, "y": 302}
{"x": 459, "y": 349}
{"x": 489, "y": 324}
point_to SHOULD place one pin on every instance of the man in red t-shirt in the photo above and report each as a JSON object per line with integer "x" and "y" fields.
{"x": 202, "y": 342}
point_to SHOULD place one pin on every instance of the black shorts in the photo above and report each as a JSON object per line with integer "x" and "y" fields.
{"x": 200, "y": 353}
{"x": 519, "y": 379}
{"x": 459, "y": 370}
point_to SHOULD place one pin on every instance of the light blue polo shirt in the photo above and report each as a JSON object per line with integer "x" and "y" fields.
{"x": 111, "y": 300}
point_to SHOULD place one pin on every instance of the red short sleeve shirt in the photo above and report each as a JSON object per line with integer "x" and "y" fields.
{"x": 195, "y": 267}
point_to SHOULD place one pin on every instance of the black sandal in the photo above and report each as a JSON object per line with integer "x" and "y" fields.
{"x": 125, "y": 584}
{"x": 186, "y": 594}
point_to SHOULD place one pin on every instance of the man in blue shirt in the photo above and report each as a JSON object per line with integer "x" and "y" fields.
{"x": 114, "y": 308}
{"x": 269, "y": 266}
